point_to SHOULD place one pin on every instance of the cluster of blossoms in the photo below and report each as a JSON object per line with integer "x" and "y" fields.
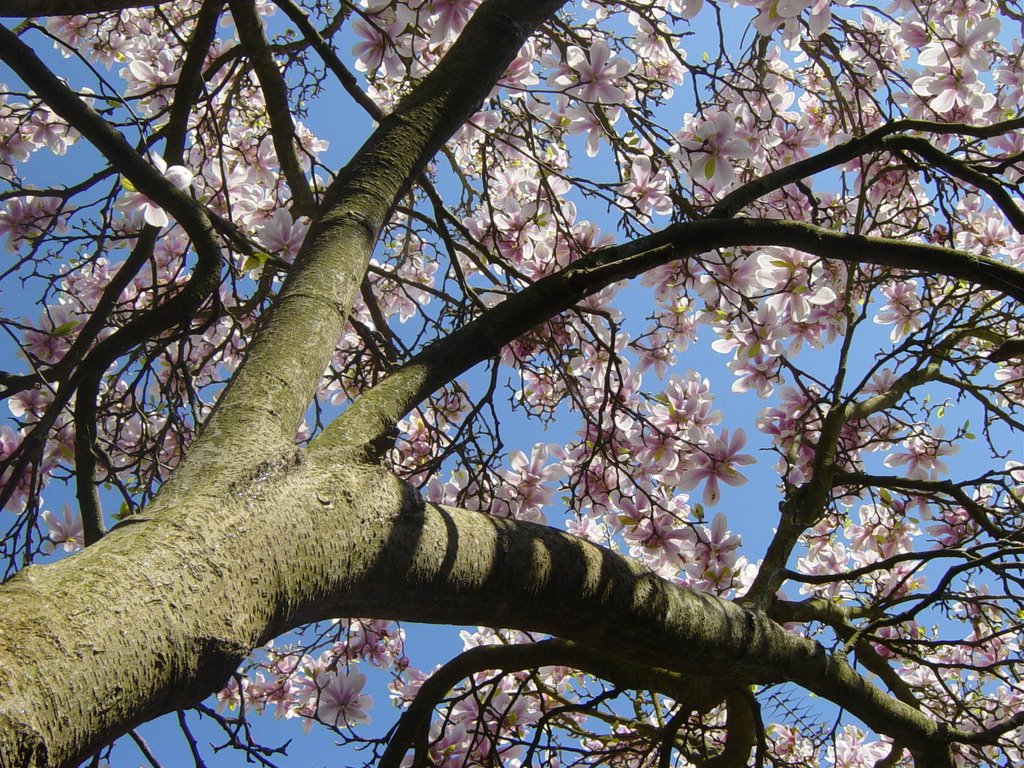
{"x": 327, "y": 688}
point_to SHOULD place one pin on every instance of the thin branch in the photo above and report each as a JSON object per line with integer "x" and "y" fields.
{"x": 275, "y": 94}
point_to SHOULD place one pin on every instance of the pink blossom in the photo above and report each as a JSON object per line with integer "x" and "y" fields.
{"x": 158, "y": 72}
{"x": 714, "y": 556}
{"x": 531, "y": 477}
{"x": 282, "y": 235}
{"x": 687, "y": 9}
{"x": 450, "y": 16}
{"x": 717, "y": 461}
{"x": 30, "y": 403}
{"x": 853, "y": 750}
{"x": 377, "y": 48}
{"x": 135, "y": 203}
{"x": 923, "y": 455}
{"x": 25, "y": 218}
{"x": 47, "y": 129}
{"x": 712, "y": 149}
{"x": 64, "y": 531}
{"x": 951, "y": 91}
{"x": 593, "y": 74}
{"x": 902, "y": 309}
{"x": 647, "y": 189}
{"x": 583, "y": 120}
{"x": 964, "y": 46}
{"x": 953, "y": 528}
{"x": 341, "y": 701}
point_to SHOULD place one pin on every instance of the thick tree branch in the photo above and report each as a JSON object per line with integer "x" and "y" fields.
{"x": 384, "y": 558}
{"x": 514, "y": 658}
{"x": 271, "y": 391}
{"x": 835, "y": 616}
{"x": 482, "y": 338}
{"x": 28, "y": 8}
{"x": 740, "y": 198}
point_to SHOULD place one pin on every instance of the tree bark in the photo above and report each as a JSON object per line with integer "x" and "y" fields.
{"x": 159, "y": 613}
{"x": 29, "y": 8}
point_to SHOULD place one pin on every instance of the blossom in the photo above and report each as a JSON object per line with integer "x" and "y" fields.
{"x": 30, "y": 403}
{"x": 717, "y": 461}
{"x": 853, "y": 750}
{"x": 773, "y": 14}
{"x": 529, "y": 478}
{"x": 134, "y": 202}
{"x": 341, "y": 701}
{"x": 965, "y": 45}
{"x": 923, "y": 455}
{"x": 950, "y": 91}
{"x": 451, "y": 17}
{"x": 687, "y": 9}
{"x": 712, "y": 148}
{"x": 47, "y": 129}
{"x": 65, "y": 531}
{"x": 283, "y": 235}
{"x": 377, "y": 48}
{"x": 647, "y": 189}
{"x": 714, "y": 555}
{"x": 158, "y": 72}
{"x": 902, "y": 309}
{"x": 594, "y": 74}
{"x": 28, "y": 217}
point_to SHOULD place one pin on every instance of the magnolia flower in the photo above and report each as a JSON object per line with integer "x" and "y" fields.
{"x": 687, "y": 9}
{"x": 137, "y": 203}
{"x": 902, "y": 310}
{"x": 64, "y": 531}
{"x": 647, "y": 189}
{"x": 951, "y": 89}
{"x": 716, "y": 462}
{"x": 283, "y": 235}
{"x": 712, "y": 148}
{"x": 377, "y": 47}
{"x": 923, "y": 455}
{"x": 341, "y": 702}
{"x": 964, "y": 46}
{"x": 595, "y": 74}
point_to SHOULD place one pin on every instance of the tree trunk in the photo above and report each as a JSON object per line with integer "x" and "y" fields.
{"x": 160, "y": 612}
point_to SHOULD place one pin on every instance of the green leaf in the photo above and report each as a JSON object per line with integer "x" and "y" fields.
{"x": 255, "y": 260}
{"x": 64, "y": 329}
{"x": 127, "y": 186}
{"x": 709, "y": 168}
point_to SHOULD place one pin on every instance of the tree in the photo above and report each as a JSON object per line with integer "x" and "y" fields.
{"x": 263, "y": 361}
